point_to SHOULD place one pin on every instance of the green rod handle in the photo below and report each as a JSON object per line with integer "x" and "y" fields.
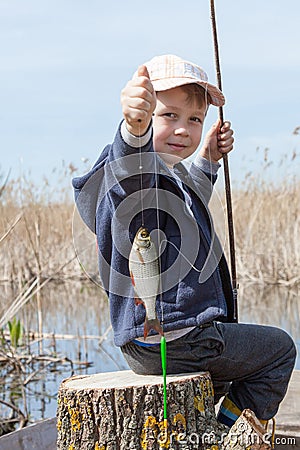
{"x": 163, "y": 351}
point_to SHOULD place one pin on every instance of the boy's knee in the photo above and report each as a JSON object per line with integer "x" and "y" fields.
{"x": 293, "y": 349}
{"x": 288, "y": 346}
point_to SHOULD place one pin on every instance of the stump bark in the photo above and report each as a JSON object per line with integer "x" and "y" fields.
{"x": 122, "y": 410}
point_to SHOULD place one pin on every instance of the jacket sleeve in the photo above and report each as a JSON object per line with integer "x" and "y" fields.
{"x": 204, "y": 177}
{"x": 120, "y": 171}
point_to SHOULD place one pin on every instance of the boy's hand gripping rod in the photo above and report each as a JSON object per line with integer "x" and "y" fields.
{"x": 226, "y": 168}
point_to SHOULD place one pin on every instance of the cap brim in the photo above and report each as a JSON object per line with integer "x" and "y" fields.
{"x": 217, "y": 98}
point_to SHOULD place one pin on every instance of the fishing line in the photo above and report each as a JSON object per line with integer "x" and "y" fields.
{"x": 179, "y": 253}
{"x": 158, "y": 234}
{"x": 141, "y": 173}
{"x": 163, "y": 342}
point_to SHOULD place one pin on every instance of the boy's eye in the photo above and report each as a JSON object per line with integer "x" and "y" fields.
{"x": 170, "y": 114}
{"x": 196, "y": 119}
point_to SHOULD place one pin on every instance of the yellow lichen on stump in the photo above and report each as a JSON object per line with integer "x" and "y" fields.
{"x": 122, "y": 410}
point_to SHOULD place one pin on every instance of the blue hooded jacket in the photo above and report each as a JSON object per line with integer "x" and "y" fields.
{"x": 129, "y": 187}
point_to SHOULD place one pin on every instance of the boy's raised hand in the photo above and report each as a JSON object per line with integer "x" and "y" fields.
{"x": 138, "y": 100}
{"x": 217, "y": 141}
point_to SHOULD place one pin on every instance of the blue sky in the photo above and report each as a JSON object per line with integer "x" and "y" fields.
{"x": 64, "y": 63}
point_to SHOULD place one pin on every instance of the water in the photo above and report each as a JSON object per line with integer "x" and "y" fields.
{"x": 82, "y": 309}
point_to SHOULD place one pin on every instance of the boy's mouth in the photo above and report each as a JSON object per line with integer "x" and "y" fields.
{"x": 176, "y": 146}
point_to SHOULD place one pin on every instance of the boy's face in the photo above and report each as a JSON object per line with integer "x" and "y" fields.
{"x": 177, "y": 125}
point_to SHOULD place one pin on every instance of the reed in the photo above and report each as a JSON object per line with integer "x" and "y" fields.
{"x": 267, "y": 223}
{"x": 36, "y": 235}
{"x": 266, "y": 207}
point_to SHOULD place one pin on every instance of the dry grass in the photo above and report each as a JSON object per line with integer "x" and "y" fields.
{"x": 266, "y": 212}
{"x": 267, "y": 224}
{"x": 37, "y": 244}
{"x": 35, "y": 233}
{"x": 35, "y": 240}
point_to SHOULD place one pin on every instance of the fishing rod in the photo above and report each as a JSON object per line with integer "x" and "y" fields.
{"x": 226, "y": 167}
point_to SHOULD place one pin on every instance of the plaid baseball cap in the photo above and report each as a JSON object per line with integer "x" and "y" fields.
{"x": 170, "y": 71}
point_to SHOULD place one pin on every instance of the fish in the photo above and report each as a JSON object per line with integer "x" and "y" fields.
{"x": 145, "y": 277}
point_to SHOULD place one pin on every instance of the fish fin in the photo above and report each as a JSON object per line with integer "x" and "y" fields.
{"x": 132, "y": 278}
{"x": 140, "y": 256}
{"x": 138, "y": 301}
{"x": 152, "y": 324}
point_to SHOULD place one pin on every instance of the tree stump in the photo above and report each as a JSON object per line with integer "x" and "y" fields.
{"x": 122, "y": 410}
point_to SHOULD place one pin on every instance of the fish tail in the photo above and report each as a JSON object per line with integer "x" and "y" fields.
{"x": 152, "y": 324}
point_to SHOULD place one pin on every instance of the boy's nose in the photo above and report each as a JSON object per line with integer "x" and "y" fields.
{"x": 182, "y": 130}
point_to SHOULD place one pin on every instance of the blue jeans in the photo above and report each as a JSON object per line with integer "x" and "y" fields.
{"x": 252, "y": 363}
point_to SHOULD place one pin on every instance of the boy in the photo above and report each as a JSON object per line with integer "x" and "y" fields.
{"x": 140, "y": 180}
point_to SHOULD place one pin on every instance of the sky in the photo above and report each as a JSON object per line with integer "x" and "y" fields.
{"x": 64, "y": 62}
